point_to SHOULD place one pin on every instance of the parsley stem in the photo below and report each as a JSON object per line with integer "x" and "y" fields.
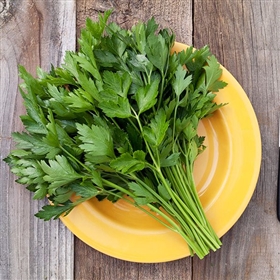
{"x": 117, "y": 187}
{"x": 161, "y": 90}
{"x": 192, "y": 217}
{"x": 174, "y": 124}
{"x": 188, "y": 234}
{"x": 132, "y": 202}
{"x": 133, "y": 124}
{"x": 193, "y": 246}
{"x": 75, "y": 159}
{"x": 156, "y": 162}
{"x": 191, "y": 204}
{"x": 180, "y": 215}
{"x": 168, "y": 223}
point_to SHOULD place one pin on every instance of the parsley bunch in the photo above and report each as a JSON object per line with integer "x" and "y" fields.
{"x": 118, "y": 120}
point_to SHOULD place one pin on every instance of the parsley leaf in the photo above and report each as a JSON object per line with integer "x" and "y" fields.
{"x": 127, "y": 163}
{"x": 120, "y": 117}
{"x": 58, "y": 172}
{"x": 156, "y": 131}
{"x": 97, "y": 142}
{"x": 212, "y": 74}
{"x": 49, "y": 211}
{"x": 142, "y": 195}
{"x": 180, "y": 82}
{"x": 157, "y": 51}
{"x": 85, "y": 189}
{"x": 146, "y": 97}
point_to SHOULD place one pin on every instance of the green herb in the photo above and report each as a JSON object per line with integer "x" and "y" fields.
{"x": 119, "y": 118}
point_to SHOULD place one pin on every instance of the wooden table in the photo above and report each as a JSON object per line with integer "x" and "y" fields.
{"x": 243, "y": 34}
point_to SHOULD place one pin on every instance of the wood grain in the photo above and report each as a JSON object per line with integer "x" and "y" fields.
{"x": 173, "y": 14}
{"x": 245, "y": 37}
{"x": 33, "y": 33}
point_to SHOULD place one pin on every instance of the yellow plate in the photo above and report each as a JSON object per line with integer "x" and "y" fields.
{"x": 226, "y": 174}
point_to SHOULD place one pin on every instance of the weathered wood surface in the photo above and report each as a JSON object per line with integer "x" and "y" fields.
{"x": 33, "y": 33}
{"x": 244, "y": 35}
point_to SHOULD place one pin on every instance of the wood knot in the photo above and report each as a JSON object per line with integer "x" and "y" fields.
{"x": 3, "y": 6}
{"x": 5, "y": 11}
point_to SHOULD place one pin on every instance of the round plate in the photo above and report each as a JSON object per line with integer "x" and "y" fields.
{"x": 226, "y": 174}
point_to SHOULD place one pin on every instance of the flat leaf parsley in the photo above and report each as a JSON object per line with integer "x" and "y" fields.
{"x": 119, "y": 119}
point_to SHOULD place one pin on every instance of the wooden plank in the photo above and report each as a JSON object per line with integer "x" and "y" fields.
{"x": 245, "y": 37}
{"x": 33, "y": 33}
{"x": 90, "y": 264}
{"x": 176, "y": 15}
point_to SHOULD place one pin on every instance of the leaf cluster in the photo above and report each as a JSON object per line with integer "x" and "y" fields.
{"x": 119, "y": 117}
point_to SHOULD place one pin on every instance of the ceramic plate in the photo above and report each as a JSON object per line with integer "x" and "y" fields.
{"x": 226, "y": 174}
